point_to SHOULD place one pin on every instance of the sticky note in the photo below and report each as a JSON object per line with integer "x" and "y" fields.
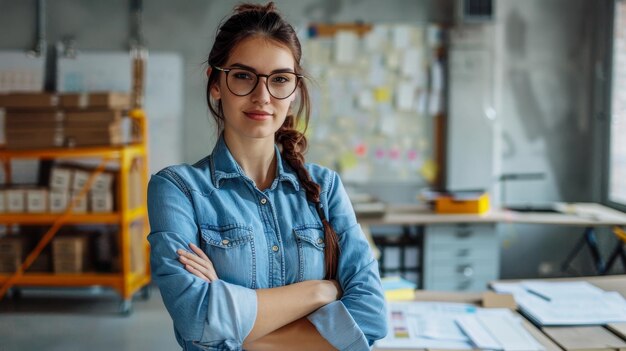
{"x": 429, "y": 170}
{"x": 348, "y": 160}
{"x": 360, "y": 149}
{"x": 382, "y": 94}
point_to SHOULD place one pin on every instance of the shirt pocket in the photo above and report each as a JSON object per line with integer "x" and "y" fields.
{"x": 310, "y": 241}
{"x": 231, "y": 250}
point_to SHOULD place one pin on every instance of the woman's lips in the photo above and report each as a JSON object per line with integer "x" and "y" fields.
{"x": 258, "y": 115}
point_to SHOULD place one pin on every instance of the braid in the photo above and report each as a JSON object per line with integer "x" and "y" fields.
{"x": 294, "y": 145}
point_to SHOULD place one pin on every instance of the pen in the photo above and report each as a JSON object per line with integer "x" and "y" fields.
{"x": 539, "y": 295}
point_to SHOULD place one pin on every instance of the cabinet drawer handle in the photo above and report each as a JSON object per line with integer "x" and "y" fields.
{"x": 465, "y": 269}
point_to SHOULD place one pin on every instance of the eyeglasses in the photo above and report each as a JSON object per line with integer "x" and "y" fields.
{"x": 242, "y": 82}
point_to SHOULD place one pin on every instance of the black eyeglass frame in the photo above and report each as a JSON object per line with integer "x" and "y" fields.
{"x": 258, "y": 79}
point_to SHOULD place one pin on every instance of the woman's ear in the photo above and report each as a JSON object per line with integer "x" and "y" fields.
{"x": 215, "y": 89}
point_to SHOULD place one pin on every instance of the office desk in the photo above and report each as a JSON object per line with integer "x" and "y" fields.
{"x": 461, "y": 251}
{"x": 600, "y": 342}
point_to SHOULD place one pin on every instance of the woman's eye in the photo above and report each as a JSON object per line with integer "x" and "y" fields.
{"x": 242, "y": 75}
{"x": 280, "y": 79}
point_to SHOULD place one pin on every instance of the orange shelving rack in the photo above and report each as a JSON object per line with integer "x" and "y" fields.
{"x": 127, "y": 281}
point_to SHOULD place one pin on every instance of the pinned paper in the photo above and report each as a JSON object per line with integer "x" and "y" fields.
{"x": 366, "y": 99}
{"x": 394, "y": 153}
{"x": 377, "y": 70}
{"x": 436, "y": 72}
{"x": 347, "y": 161}
{"x": 412, "y": 63}
{"x": 346, "y": 44}
{"x": 382, "y": 94}
{"x": 379, "y": 154}
{"x": 387, "y": 124}
{"x": 429, "y": 170}
{"x": 434, "y": 103}
{"x": 422, "y": 103}
{"x": 401, "y": 36}
{"x": 404, "y": 96}
{"x": 360, "y": 150}
{"x": 393, "y": 60}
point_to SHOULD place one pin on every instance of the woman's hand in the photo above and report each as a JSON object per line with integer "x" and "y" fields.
{"x": 198, "y": 264}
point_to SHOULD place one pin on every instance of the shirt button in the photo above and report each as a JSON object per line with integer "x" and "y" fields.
{"x": 263, "y": 201}
{"x": 320, "y": 240}
{"x": 274, "y": 248}
{"x": 225, "y": 242}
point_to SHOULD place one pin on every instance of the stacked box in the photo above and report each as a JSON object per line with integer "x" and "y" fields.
{"x": 15, "y": 200}
{"x": 29, "y": 129}
{"x": 36, "y": 200}
{"x": 96, "y": 100}
{"x": 11, "y": 250}
{"x": 93, "y": 128}
{"x": 69, "y": 253}
{"x": 60, "y": 184}
{"x": 3, "y": 203}
{"x": 38, "y": 120}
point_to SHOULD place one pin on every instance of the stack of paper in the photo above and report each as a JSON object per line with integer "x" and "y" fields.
{"x": 566, "y": 303}
{"x": 438, "y": 325}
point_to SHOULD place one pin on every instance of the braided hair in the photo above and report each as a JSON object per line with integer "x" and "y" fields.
{"x": 251, "y": 20}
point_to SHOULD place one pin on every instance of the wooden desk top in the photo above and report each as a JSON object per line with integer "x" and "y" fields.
{"x": 576, "y": 214}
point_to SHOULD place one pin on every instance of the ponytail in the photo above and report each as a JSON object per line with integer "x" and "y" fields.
{"x": 294, "y": 145}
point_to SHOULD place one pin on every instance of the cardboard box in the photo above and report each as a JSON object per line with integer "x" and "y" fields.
{"x": 69, "y": 253}
{"x": 3, "y": 206}
{"x": 81, "y": 204}
{"x": 60, "y": 179}
{"x": 34, "y": 139}
{"x": 101, "y": 201}
{"x": 33, "y": 119}
{"x": 79, "y": 179}
{"x": 112, "y": 100}
{"x": 86, "y": 119}
{"x": 103, "y": 183}
{"x": 20, "y": 101}
{"x": 11, "y": 253}
{"x": 58, "y": 201}
{"x": 16, "y": 200}
{"x": 36, "y": 200}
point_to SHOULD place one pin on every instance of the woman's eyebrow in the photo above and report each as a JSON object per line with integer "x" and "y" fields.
{"x": 280, "y": 70}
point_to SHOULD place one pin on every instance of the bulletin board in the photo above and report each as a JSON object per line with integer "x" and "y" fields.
{"x": 375, "y": 91}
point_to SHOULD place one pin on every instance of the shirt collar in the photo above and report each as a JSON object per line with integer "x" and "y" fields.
{"x": 224, "y": 166}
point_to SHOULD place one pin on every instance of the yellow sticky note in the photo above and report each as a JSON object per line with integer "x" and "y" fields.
{"x": 429, "y": 170}
{"x": 347, "y": 161}
{"x": 382, "y": 94}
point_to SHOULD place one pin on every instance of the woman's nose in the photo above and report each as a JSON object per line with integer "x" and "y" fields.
{"x": 260, "y": 94}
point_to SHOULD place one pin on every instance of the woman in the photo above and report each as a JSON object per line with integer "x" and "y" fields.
{"x": 251, "y": 247}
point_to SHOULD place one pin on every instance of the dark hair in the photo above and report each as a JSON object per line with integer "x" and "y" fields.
{"x": 251, "y": 20}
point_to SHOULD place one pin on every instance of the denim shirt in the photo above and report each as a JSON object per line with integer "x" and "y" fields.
{"x": 256, "y": 239}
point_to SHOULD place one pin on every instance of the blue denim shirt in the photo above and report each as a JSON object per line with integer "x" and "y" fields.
{"x": 256, "y": 239}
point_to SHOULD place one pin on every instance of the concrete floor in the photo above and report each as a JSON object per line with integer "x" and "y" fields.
{"x": 86, "y": 319}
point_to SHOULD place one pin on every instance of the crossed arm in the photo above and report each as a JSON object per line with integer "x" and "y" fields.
{"x": 280, "y": 322}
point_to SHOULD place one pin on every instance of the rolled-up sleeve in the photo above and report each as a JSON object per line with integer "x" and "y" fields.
{"x": 359, "y": 318}
{"x": 215, "y": 315}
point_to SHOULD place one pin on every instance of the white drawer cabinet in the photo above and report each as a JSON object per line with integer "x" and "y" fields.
{"x": 460, "y": 257}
